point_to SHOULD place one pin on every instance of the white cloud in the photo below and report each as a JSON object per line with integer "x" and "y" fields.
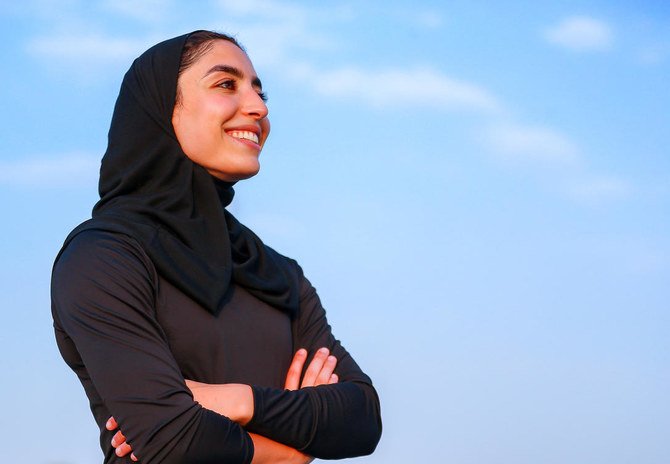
{"x": 538, "y": 144}
{"x": 87, "y": 47}
{"x": 581, "y": 33}
{"x": 71, "y": 170}
{"x": 398, "y": 87}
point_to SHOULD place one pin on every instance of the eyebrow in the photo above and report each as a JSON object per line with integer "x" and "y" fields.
{"x": 232, "y": 70}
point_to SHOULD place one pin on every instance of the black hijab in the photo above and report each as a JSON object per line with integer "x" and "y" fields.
{"x": 150, "y": 190}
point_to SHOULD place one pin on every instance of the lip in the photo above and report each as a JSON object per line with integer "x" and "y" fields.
{"x": 248, "y": 128}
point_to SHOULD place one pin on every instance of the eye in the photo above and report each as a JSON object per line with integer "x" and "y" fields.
{"x": 228, "y": 84}
{"x": 264, "y": 96}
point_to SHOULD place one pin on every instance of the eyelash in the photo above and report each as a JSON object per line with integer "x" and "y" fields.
{"x": 230, "y": 84}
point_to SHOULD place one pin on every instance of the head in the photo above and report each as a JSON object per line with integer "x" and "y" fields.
{"x": 220, "y": 116}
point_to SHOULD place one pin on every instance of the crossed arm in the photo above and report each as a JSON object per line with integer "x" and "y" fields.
{"x": 235, "y": 401}
{"x": 103, "y": 295}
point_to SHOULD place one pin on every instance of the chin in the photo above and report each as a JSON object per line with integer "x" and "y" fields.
{"x": 235, "y": 175}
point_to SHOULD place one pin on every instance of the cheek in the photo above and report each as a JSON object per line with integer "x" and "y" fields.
{"x": 190, "y": 132}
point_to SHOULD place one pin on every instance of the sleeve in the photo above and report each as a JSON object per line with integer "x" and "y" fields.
{"x": 329, "y": 421}
{"x": 103, "y": 293}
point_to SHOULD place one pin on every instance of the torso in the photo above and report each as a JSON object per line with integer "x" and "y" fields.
{"x": 248, "y": 341}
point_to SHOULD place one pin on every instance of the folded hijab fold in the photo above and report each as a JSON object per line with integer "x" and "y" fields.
{"x": 150, "y": 190}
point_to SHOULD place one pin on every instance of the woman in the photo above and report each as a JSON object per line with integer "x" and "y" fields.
{"x": 163, "y": 284}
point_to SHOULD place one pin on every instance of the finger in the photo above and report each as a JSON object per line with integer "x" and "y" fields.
{"x": 326, "y": 371}
{"x": 314, "y": 367}
{"x": 118, "y": 439}
{"x": 295, "y": 370}
{"x": 333, "y": 379}
{"x": 122, "y": 450}
{"x": 111, "y": 424}
{"x": 133, "y": 457}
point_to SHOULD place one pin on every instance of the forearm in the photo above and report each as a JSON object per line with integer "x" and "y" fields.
{"x": 329, "y": 421}
{"x": 267, "y": 451}
{"x": 233, "y": 400}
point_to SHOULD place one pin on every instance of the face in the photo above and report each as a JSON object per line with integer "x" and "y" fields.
{"x": 221, "y": 119}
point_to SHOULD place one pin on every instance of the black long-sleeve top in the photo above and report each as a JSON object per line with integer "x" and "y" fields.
{"x": 132, "y": 338}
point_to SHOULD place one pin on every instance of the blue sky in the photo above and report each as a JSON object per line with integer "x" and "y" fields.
{"x": 480, "y": 192}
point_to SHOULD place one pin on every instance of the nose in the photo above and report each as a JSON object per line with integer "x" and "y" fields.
{"x": 253, "y": 105}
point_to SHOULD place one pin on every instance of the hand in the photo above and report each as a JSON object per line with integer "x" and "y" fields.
{"x": 119, "y": 440}
{"x": 319, "y": 371}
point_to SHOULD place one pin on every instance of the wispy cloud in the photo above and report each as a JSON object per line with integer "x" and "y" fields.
{"x": 655, "y": 54}
{"x": 87, "y": 47}
{"x": 581, "y": 33}
{"x": 275, "y": 33}
{"x": 536, "y": 144}
{"x": 429, "y": 19}
{"x": 71, "y": 170}
{"x": 288, "y": 29}
{"x": 418, "y": 87}
{"x": 149, "y": 11}
{"x": 596, "y": 189}
{"x": 265, "y": 9}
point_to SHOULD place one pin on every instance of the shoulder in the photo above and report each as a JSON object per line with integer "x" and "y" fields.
{"x": 96, "y": 258}
{"x": 293, "y": 269}
{"x": 95, "y": 247}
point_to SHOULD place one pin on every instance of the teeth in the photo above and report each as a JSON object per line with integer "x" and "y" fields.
{"x": 244, "y": 135}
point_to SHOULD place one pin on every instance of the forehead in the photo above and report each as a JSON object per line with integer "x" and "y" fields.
{"x": 222, "y": 52}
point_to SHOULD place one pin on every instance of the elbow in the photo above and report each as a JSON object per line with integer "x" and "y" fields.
{"x": 205, "y": 438}
{"x": 368, "y": 433}
{"x": 361, "y": 439}
{"x": 374, "y": 437}
{"x": 367, "y": 440}
{"x": 358, "y": 433}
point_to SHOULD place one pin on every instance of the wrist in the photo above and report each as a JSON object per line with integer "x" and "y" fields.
{"x": 245, "y": 405}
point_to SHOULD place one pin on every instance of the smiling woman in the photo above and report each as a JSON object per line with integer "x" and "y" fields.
{"x": 195, "y": 341}
{"x": 220, "y": 117}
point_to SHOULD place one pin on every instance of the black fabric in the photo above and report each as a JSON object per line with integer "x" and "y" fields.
{"x": 329, "y": 421}
{"x": 132, "y": 337}
{"x": 152, "y": 191}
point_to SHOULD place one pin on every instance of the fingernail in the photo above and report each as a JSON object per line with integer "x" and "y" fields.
{"x": 332, "y": 359}
{"x": 302, "y": 352}
{"x": 323, "y": 350}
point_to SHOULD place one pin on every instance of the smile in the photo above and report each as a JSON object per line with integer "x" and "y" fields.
{"x": 245, "y": 135}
